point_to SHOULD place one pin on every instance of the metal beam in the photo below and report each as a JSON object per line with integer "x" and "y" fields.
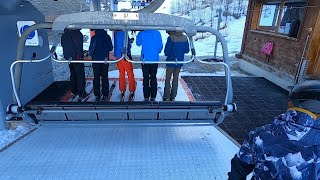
{"x": 108, "y": 19}
{"x": 133, "y": 104}
{"x": 229, "y": 97}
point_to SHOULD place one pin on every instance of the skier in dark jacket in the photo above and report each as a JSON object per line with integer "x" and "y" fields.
{"x": 72, "y": 44}
{"x": 177, "y": 45}
{"x": 289, "y": 148}
{"x": 100, "y": 46}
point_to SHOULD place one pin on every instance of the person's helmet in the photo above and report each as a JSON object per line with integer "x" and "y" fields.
{"x": 306, "y": 95}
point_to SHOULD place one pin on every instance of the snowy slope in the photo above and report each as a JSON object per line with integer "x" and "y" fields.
{"x": 233, "y": 37}
{"x": 233, "y": 33}
{"x": 203, "y": 42}
{"x": 161, "y": 73}
{"x": 8, "y": 136}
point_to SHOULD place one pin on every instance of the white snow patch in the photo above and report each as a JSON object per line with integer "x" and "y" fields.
{"x": 217, "y": 73}
{"x": 295, "y": 174}
{"x": 205, "y": 46}
{"x": 258, "y": 141}
{"x": 137, "y": 73}
{"x": 8, "y": 136}
{"x": 161, "y": 74}
{"x": 234, "y": 39}
{"x": 124, "y": 5}
{"x": 233, "y": 32}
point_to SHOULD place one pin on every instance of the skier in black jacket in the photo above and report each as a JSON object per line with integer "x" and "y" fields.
{"x": 72, "y": 44}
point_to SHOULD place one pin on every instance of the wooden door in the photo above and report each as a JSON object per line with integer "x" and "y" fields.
{"x": 313, "y": 54}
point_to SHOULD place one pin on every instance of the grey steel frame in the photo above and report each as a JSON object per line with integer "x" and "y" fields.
{"x": 104, "y": 20}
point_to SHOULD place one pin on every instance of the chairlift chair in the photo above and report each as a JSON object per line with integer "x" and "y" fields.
{"x": 213, "y": 111}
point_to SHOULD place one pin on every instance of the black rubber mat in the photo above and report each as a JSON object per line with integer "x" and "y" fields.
{"x": 258, "y": 101}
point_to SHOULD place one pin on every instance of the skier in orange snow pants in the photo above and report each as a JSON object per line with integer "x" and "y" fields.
{"x": 123, "y": 65}
{"x": 126, "y": 66}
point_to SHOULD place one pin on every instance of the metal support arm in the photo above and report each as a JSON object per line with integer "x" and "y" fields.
{"x": 13, "y": 81}
{"x": 22, "y": 40}
{"x": 226, "y": 60}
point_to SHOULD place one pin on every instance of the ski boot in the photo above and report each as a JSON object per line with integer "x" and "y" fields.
{"x": 97, "y": 99}
{"x": 122, "y": 96}
{"x": 105, "y": 98}
{"x": 131, "y": 96}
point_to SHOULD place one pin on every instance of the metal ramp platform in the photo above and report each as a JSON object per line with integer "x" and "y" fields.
{"x": 119, "y": 151}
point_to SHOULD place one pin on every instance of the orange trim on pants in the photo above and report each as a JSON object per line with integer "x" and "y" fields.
{"x": 92, "y": 33}
{"x": 125, "y": 66}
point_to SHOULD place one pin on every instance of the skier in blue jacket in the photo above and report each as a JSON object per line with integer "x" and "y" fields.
{"x": 289, "y": 147}
{"x": 177, "y": 45}
{"x": 151, "y": 43}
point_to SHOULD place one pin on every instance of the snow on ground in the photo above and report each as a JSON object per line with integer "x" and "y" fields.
{"x": 161, "y": 73}
{"x": 217, "y": 73}
{"x": 8, "y": 136}
{"x": 234, "y": 39}
{"x": 233, "y": 34}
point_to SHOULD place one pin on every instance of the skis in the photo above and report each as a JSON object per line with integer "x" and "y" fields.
{"x": 78, "y": 99}
{"x": 130, "y": 98}
{"x": 113, "y": 86}
{"x": 122, "y": 96}
{"x": 160, "y": 90}
{"x": 85, "y": 99}
{"x": 73, "y": 98}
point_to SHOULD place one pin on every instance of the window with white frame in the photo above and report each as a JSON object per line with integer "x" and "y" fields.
{"x": 281, "y": 16}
